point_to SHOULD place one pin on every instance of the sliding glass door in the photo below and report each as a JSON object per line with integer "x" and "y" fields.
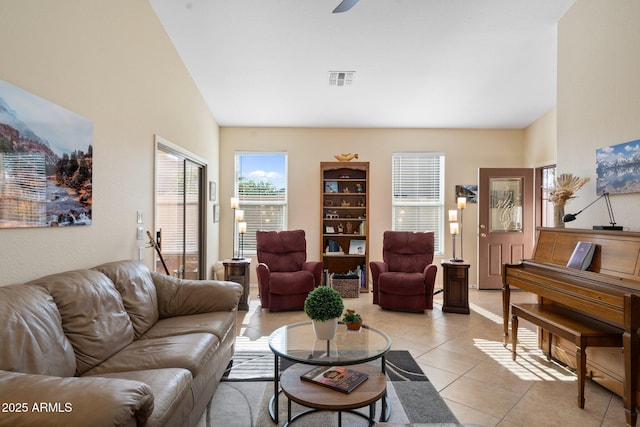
{"x": 180, "y": 204}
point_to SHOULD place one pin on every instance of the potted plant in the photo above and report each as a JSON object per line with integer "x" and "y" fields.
{"x": 352, "y": 319}
{"x": 324, "y": 306}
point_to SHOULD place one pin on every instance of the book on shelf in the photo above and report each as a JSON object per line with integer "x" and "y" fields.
{"x": 335, "y": 377}
{"x": 582, "y": 255}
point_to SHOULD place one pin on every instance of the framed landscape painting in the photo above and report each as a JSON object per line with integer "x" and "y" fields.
{"x": 618, "y": 168}
{"x": 46, "y": 162}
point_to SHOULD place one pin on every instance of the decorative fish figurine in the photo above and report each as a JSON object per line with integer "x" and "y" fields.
{"x": 346, "y": 157}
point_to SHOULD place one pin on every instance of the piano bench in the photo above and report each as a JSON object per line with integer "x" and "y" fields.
{"x": 582, "y": 330}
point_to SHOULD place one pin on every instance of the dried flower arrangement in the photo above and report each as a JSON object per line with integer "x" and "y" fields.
{"x": 566, "y": 186}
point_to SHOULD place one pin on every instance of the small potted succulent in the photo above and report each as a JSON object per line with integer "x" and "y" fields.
{"x": 324, "y": 306}
{"x": 352, "y": 319}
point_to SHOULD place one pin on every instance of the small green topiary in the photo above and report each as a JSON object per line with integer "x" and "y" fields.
{"x": 351, "y": 316}
{"x": 323, "y": 303}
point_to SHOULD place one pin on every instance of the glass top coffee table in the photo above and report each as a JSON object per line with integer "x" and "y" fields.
{"x": 297, "y": 343}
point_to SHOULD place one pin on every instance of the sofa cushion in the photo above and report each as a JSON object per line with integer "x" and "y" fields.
{"x": 31, "y": 336}
{"x": 177, "y": 297}
{"x": 282, "y": 250}
{"x": 408, "y": 251}
{"x": 172, "y": 393}
{"x": 297, "y": 282}
{"x": 219, "y": 323}
{"x": 402, "y": 283}
{"x": 133, "y": 280}
{"x": 182, "y": 351}
{"x": 93, "y": 316}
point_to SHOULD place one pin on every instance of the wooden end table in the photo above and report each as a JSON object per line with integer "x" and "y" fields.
{"x": 456, "y": 287}
{"x": 320, "y": 398}
{"x": 239, "y": 271}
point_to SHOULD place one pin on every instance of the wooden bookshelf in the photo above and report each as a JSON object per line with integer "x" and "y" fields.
{"x": 344, "y": 223}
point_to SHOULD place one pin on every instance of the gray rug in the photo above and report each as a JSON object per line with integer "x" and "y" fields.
{"x": 243, "y": 396}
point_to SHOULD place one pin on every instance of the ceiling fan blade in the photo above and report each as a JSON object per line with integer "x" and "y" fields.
{"x": 345, "y": 5}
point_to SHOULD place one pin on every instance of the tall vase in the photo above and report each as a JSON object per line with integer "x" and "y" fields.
{"x": 558, "y": 213}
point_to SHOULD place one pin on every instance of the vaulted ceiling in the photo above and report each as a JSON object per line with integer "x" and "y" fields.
{"x": 416, "y": 63}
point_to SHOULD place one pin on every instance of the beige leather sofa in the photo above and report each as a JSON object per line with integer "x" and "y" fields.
{"x": 116, "y": 345}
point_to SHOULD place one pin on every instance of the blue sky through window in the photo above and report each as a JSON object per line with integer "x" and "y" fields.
{"x": 264, "y": 167}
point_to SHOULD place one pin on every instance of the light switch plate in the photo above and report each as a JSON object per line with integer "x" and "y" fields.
{"x": 140, "y": 217}
{"x": 140, "y": 233}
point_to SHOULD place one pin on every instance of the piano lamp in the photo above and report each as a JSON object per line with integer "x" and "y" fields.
{"x": 612, "y": 221}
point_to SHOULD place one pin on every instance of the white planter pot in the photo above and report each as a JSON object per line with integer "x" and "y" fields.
{"x": 325, "y": 330}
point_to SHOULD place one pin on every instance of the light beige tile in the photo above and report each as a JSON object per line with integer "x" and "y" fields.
{"x": 449, "y": 361}
{"x": 481, "y": 396}
{"x": 499, "y": 375}
{"x": 467, "y": 416}
{"x": 439, "y": 378}
{"x": 534, "y": 411}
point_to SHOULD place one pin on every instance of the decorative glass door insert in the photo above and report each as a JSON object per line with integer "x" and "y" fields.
{"x": 505, "y": 202}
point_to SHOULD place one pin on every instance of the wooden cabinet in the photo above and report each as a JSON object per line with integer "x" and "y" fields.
{"x": 344, "y": 224}
{"x": 456, "y": 287}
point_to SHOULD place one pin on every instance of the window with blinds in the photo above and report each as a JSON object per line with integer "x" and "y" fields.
{"x": 261, "y": 188}
{"x": 418, "y": 194}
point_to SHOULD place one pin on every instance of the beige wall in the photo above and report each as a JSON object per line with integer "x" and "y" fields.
{"x": 598, "y": 98}
{"x": 111, "y": 62}
{"x": 540, "y": 148}
{"x": 465, "y": 151}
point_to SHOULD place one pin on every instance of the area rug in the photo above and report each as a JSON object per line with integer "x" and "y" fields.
{"x": 242, "y": 398}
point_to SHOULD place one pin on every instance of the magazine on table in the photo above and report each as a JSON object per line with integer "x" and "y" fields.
{"x": 335, "y": 377}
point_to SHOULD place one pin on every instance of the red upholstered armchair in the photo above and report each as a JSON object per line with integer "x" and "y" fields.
{"x": 405, "y": 280}
{"x": 284, "y": 275}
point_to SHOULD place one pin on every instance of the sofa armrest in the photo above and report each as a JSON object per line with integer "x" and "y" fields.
{"x": 430, "y": 272}
{"x": 40, "y": 400}
{"x": 263, "y": 271}
{"x": 178, "y": 297}
{"x": 315, "y": 268}
{"x": 377, "y": 268}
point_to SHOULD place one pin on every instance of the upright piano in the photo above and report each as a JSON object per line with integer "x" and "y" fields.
{"x": 608, "y": 291}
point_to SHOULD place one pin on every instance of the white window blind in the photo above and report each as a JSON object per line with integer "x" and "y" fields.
{"x": 177, "y": 197}
{"x": 261, "y": 187}
{"x": 418, "y": 196}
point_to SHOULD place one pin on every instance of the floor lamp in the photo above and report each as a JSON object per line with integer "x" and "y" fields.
{"x": 237, "y": 213}
{"x": 454, "y": 230}
{"x": 462, "y": 204}
{"x": 242, "y": 229}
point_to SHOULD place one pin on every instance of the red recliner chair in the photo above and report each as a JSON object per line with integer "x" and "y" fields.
{"x": 285, "y": 277}
{"x": 405, "y": 279}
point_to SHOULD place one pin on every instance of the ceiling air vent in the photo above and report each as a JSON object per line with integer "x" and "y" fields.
{"x": 341, "y": 78}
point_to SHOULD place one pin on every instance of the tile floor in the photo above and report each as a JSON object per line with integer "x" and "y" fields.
{"x": 464, "y": 357}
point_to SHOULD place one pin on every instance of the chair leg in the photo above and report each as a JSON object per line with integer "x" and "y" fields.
{"x": 514, "y": 335}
